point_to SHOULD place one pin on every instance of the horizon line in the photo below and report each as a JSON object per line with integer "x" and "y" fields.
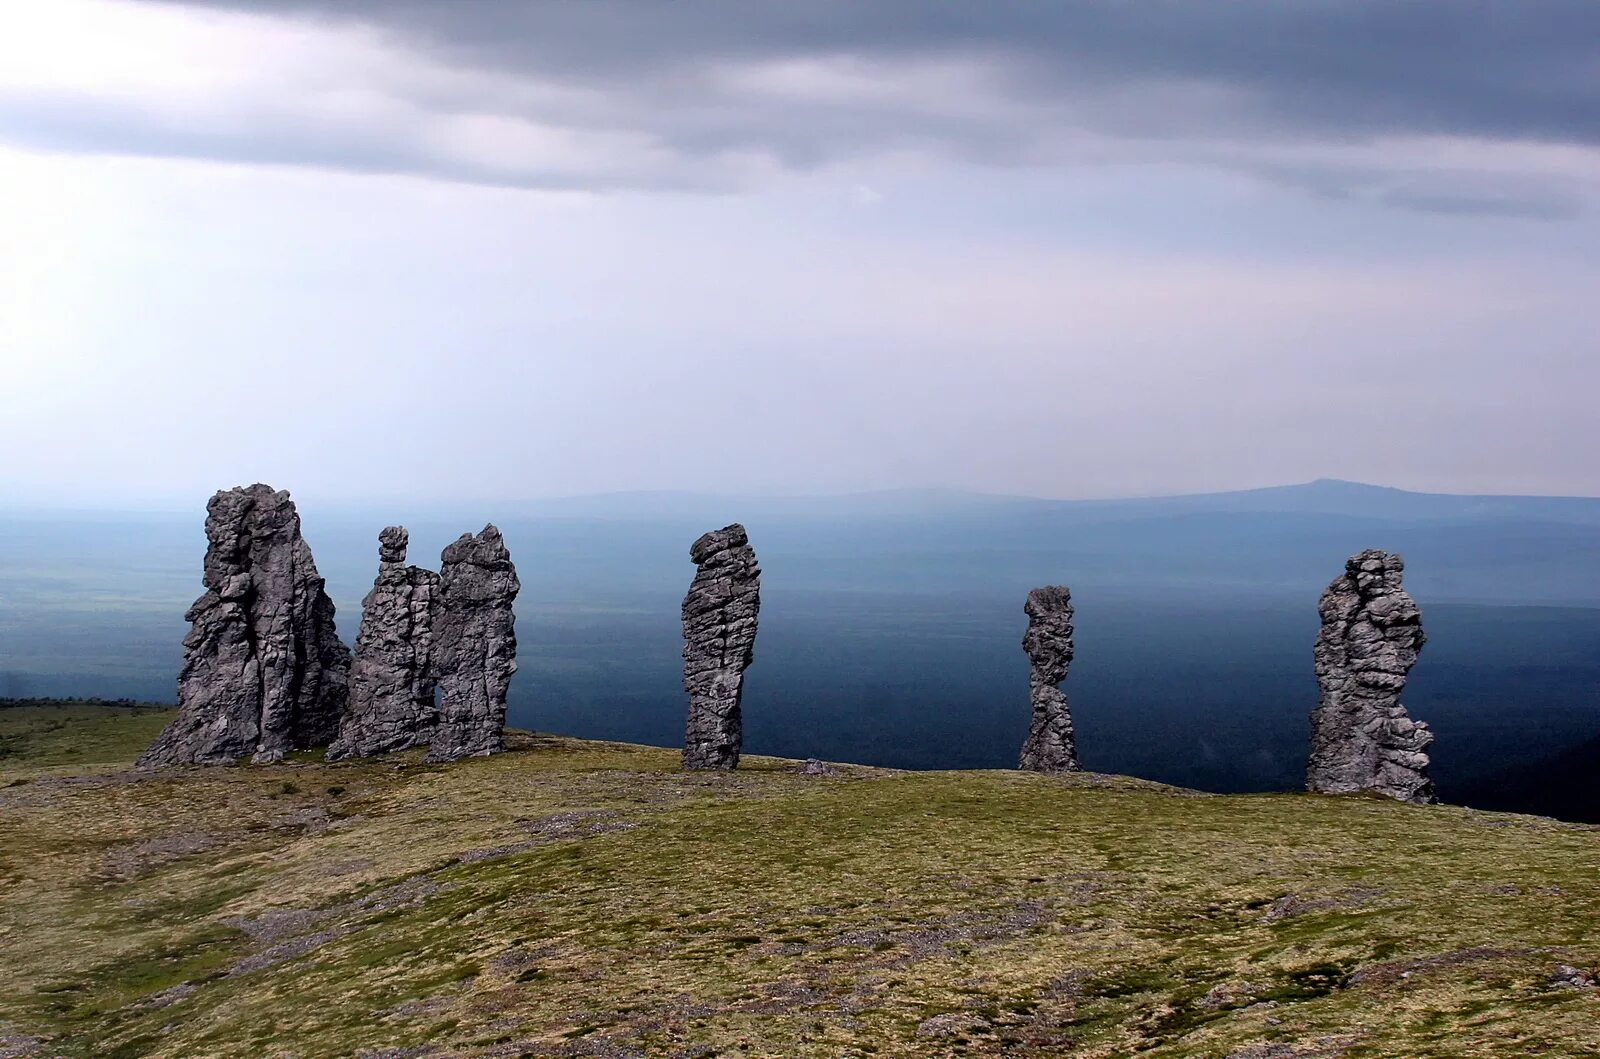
{"x": 167, "y": 505}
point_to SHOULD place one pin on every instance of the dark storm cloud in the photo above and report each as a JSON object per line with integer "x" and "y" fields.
{"x": 692, "y": 87}
{"x": 1514, "y": 68}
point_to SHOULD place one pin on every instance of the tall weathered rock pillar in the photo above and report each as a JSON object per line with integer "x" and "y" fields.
{"x": 719, "y": 638}
{"x": 474, "y": 647}
{"x": 1050, "y": 746}
{"x": 1361, "y": 737}
{"x": 264, "y": 672}
{"x": 391, "y": 680}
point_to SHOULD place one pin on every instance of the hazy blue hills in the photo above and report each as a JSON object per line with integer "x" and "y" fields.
{"x": 891, "y": 621}
{"x": 1463, "y": 548}
{"x": 1332, "y": 496}
{"x": 1328, "y": 496}
{"x": 1286, "y": 540}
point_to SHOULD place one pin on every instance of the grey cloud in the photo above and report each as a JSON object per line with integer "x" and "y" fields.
{"x": 1166, "y": 79}
{"x": 1494, "y": 68}
{"x": 1557, "y": 204}
{"x": 1443, "y": 191}
{"x": 100, "y": 126}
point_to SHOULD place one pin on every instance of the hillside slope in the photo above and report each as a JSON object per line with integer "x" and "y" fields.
{"x": 586, "y": 899}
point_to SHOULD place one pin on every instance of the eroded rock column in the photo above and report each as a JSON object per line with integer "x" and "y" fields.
{"x": 474, "y": 646}
{"x": 719, "y": 638}
{"x": 264, "y": 671}
{"x": 1362, "y": 739}
{"x": 1050, "y": 746}
{"x": 391, "y": 679}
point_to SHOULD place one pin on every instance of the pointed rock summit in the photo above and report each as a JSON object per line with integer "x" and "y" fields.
{"x": 264, "y": 671}
{"x": 1050, "y": 746}
{"x": 474, "y": 648}
{"x": 719, "y": 638}
{"x": 1362, "y": 739}
{"x": 392, "y": 678}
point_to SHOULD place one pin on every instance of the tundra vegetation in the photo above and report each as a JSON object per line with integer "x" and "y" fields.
{"x": 573, "y": 898}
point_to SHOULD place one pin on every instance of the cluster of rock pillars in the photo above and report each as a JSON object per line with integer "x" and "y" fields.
{"x": 264, "y": 672}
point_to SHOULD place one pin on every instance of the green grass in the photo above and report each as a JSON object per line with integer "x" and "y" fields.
{"x": 44, "y": 735}
{"x": 574, "y": 898}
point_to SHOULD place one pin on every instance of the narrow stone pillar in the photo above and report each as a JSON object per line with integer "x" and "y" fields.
{"x": 1050, "y": 746}
{"x": 719, "y": 637}
{"x": 391, "y": 680}
{"x": 474, "y": 646}
{"x": 1362, "y": 739}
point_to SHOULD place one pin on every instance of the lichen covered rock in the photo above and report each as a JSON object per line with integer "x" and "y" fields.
{"x": 264, "y": 671}
{"x": 1362, "y": 739}
{"x": 1051, "y": 745}
{"x": 474, "y": 648}
{"x": 719, "y": 637}
{"x": 392, "y": 678}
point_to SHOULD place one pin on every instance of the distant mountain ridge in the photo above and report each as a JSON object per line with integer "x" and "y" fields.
{"x": 1331, "y": 496}
{"x": 1286, "y": 540}
{"x": 1336, "y": 496}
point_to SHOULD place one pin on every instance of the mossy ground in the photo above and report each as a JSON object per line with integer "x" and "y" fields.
{"x": 578, "y": 898}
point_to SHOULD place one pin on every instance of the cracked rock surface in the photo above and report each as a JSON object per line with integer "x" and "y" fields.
{"x": 1050, "y": 746}
{"x": 474, "y": 647}
{"x": 1362, "y": 739}
{"x": 392, "y": 680}
{"x": 264, "y": 671}
{"x": 719, "y": 638}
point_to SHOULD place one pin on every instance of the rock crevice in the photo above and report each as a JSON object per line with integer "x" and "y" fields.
{"x": 1362, "y": 738}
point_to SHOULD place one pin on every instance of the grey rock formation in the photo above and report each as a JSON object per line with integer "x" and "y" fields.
{"x": 1361, "y": 738}
{"x": 474, "y": 647}
{"x": 264, "y": 672}
{"x": 392, "y": 678}
{"x": 1050, "y": 746}
{"x": 719, "y": 638}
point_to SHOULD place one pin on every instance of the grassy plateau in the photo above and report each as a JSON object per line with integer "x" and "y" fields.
{"x": 573, "y": 898}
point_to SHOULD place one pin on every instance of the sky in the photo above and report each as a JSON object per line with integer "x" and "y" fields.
{"x": 364, "y": 249}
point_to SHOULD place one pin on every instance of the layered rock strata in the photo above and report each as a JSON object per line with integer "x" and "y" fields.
{"x": 392, "y": 678}
{"x": 719, "y": 637}
{"x": 264, "y": 671}
{"x": 1362, "y": 739}
{"x": 474, "y": 649}
{"x": 1050, "y": 746}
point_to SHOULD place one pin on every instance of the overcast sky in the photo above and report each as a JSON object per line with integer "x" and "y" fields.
{"x": 360, "y": 248}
